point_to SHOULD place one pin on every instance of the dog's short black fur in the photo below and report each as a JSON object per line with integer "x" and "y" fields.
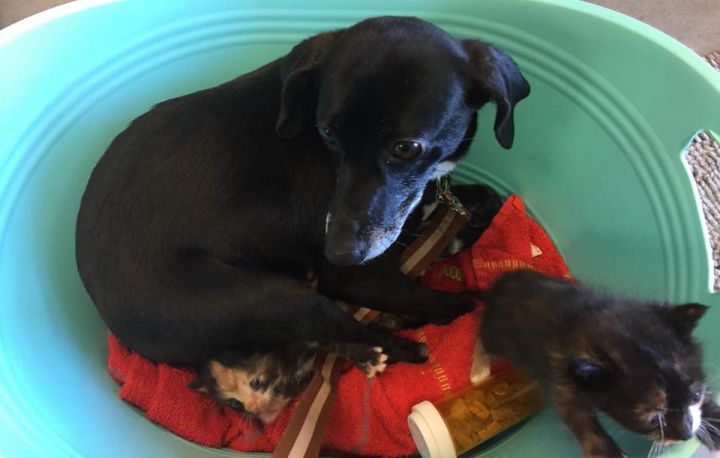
{"x": 199, "y": 222}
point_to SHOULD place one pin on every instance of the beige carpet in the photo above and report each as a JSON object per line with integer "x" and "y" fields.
{"x": 704, "y": 159}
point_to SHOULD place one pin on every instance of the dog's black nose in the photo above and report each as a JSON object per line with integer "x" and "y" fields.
{"x": 343, "y": 246}
{"x": 344, "y": 257}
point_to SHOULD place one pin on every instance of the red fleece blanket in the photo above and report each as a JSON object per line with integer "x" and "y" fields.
{"x": 369, "y": 416}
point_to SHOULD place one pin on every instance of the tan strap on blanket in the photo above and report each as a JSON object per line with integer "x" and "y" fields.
{"x": 303, "y": 437}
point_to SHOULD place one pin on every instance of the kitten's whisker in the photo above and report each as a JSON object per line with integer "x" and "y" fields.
{"x": 703, "y": 435}
{"x": 661, "y": 420}
{"x": 709, "y": 427}
{"x": 655, "y": 449}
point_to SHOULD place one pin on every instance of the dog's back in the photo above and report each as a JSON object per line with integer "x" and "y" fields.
{"x": 195, "y": 176}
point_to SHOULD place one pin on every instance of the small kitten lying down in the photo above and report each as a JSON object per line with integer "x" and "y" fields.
{"x": 257, "y": 383}
{"x": 634, "y": 360}
{"x": 260, "y": 382}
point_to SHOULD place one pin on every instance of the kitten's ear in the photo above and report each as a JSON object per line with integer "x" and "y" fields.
{"x": 586, "y": 373}
{"x": 683, "y": 318}
{"x": 199, "y": 384}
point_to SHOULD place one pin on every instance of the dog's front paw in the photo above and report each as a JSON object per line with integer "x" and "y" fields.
{"x": 375, "y": 363}
{"x": 406, "y": 351}
{"x": 372, "y": 360}
{"x": 446, "y": 313}
{"x": 394, "y": 322}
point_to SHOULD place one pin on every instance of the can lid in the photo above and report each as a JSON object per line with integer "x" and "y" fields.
{"x": 429, "y": 432}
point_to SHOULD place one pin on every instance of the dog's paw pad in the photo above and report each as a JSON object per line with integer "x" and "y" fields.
{"x": 376, "y": 363}
{"x": 375, "y": 370}
{"x": 424, "y": 352}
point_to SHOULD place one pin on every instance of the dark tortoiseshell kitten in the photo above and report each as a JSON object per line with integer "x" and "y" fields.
{"x": 634, "y": 360}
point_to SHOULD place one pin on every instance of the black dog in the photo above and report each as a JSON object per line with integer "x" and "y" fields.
{"x": 199, "y": 222}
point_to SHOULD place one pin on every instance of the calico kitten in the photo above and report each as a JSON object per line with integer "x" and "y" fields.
{"x": 634, "y": 360}
{"x": 260, "y": 382}
{"x": 257, "y": 383}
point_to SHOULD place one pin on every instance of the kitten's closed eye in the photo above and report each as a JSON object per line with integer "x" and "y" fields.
{"x": 235, "y": 404}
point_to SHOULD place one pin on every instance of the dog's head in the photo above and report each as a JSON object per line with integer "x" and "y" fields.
{"x": 395, "y": 99}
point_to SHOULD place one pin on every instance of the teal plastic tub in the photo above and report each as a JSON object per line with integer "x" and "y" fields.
{"x": 597, "y": 157}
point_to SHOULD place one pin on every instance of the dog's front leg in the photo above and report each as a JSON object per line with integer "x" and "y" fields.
{"x": 380, "y": 285}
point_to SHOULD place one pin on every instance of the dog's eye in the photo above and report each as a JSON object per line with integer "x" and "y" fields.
{"x": 256, "y": 384}
{"x": 407, "y": 149}
{"x": 327, "y": 134}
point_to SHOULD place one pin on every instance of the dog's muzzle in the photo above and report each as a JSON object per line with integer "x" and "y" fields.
{"x": 343, "y": 244}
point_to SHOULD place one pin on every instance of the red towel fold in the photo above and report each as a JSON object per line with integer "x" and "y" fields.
{"x": 369, "y": 416}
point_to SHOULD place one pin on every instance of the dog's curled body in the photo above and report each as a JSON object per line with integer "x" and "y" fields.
{"x": 200, "y": 220}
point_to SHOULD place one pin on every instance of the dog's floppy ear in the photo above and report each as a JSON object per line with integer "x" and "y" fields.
{"x": 495, "y": 76}
{"x": 298, "y": 72}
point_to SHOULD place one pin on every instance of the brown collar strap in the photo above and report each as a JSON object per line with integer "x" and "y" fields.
{"x": 448, "y": 219}
{"x": 304, "y": 434}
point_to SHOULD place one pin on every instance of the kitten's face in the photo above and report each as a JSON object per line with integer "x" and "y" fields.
{"x": 258, "y": 388}
{"x": 664, "y": 406}
{"x": 652, "y": 382}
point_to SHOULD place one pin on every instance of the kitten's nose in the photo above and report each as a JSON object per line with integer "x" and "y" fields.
{"x": 686, "y": 431}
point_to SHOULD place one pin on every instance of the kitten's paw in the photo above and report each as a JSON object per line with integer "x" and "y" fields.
{"x": 599, "y": 447}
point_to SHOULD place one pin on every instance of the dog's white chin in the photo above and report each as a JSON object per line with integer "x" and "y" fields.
{"x": 380, "y": 241}
{"x": 443, "y": 168}
{"x": 381, "y": 238}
